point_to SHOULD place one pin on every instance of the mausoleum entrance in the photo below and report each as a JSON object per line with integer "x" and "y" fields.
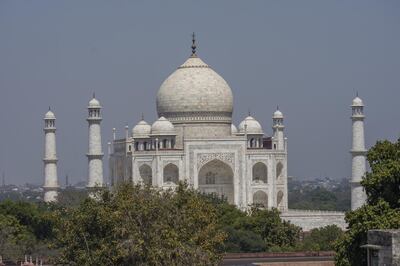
{"x": 217, "y": 177}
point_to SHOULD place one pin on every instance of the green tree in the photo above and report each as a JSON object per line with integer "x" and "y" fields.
{"x": 383, "y": 182}
{"x": 15, "y": 239}
{"x": 71, "y": 197}
{"x": 382, "y": 208}
{"x": 319, "y": 198}
{"x": 256, "y": 230}
{"x": 275, "y": 232}
{"x": 140, "y": 226}
{"x": 322, "y": 239}
{"x": 34, "y": 217}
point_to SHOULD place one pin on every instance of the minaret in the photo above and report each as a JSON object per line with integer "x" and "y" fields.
{"x": 50, "y": 186}
{"x": 95, "y": 153}
{"x": 358, "y": 152}
{"x": 278, "y": 127}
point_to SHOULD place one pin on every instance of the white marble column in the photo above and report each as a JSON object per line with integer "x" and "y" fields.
{"x": 50, "y": 185}
{"x": 95, "y": 153}
{"x": 358, "y": 152}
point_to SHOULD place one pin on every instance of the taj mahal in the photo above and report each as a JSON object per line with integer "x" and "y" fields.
{"x": 195, "y": 140}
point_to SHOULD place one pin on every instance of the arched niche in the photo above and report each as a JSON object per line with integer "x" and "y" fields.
{"x": 171, "y": 173}
{"x": 279, "y": 170}
{"x": 252, "y": 143}
{"x": 164, "y": 143}
{"x": 279, "y": 199}
{"x": 216, "y": 177}
{"x": 260, "y": 172}
{"x": 146, "y": 174}
{"x": 260, "y": 199}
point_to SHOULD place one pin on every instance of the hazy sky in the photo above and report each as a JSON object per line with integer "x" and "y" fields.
{"x": 307, "y": 56}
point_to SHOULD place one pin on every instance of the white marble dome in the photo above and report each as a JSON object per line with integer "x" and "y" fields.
{"x": 49, "y": 115}
{"x": 142, "y": 129}
{"x": 233, "y": 129}
{"x": 94, "y": 103}
{"x": 357, "y": 102}
{"x": 162, "y": 127}
{"x": 253, "y": 127}
{"x": 278, "y": 114}
{"x": 195, "y": 92}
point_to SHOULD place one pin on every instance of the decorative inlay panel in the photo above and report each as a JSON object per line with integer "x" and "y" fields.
{"x": 203, "y": 158}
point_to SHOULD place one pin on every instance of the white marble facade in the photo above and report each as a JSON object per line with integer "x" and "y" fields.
{"x": 225, "y": 166}
{"x": 194, "y": 140}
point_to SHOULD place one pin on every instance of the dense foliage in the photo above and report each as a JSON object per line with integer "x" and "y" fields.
{"x": 256, "y": 230}
{"x": 71, "y": 197}
{"x": 319, "y": 198}
{"x": 138, "y": 226}
{"x": 382, "y": 210}
{"x": 135, "y": 225}
{"x": 322, "y": 239}
{"x": 15, "y": 239}
{"x": 25, "y": 228}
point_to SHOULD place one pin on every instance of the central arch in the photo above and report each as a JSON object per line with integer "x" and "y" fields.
{"x": 217, "y": 177}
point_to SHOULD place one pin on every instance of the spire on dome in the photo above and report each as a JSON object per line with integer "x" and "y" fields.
{"x": 277, "y": 114}
{"x": 49, "y": 114}
{"x": 194, "y": 45}
{"x": 94, "y": 103}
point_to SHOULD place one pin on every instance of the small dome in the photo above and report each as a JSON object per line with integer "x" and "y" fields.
{"x": 94, "y": 103}
{"x": 49, "y": 115}
{"x": 357, "y": 102}
{"x": 142, "y": 129}
{"x": 253, "y": 127}
{"x": 233, "y": 129}
{"x": 278, "y": 114}
{"x": 162, "y": 127}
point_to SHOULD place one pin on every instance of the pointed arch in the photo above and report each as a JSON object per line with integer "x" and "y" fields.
{"x": 216, "y": 177}
{"x": 164, "y": 143}
{"x": 260, "y": 172}
{"x": 171, "y": 173}
{"x": 146, "y": 174}
{"x": 279, "y": 170}
{"x": 279, "y": 199}
{"x": 260, "y": 199}
{"x": 252, "y": 143}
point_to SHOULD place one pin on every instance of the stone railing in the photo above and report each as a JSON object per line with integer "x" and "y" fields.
{"x": 310, "y": 219}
